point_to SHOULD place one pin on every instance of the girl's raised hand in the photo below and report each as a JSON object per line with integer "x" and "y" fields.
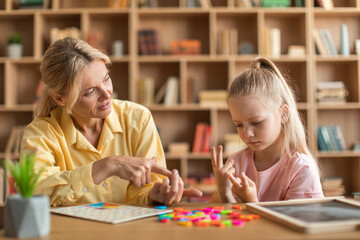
{"x": 221, "y": 172}
{"x": 243, "y": 188}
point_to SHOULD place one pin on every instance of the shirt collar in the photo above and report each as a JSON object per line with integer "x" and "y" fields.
{"x": 113, "y": 120}
{"x": 71, "y": 133}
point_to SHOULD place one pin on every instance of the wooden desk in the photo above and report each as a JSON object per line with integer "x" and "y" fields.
{"x": 64, "y": 228}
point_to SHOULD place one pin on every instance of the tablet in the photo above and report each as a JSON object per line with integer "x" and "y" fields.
{"x": 312, "y": 215}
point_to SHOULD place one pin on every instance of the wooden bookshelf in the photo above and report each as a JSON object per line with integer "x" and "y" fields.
{"x": 209, "y": 70}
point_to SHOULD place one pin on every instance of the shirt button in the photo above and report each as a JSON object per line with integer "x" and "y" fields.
{"x": 84, "y": 189}
{"x": 104, "y": 184}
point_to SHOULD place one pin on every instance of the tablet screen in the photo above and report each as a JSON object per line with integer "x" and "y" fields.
{"x": 319, "y": 211}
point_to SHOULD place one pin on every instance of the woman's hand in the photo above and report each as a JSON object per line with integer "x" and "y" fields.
{"x": 244, "y": 188}
{"x": 171, "y": 190}
{"x": 136, "y": 170}
{"x": 221, "y": 172}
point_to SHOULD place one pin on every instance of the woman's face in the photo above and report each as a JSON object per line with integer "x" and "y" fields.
{"x": 95, "y": 97}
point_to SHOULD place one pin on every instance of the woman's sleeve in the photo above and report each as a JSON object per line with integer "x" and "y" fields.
{"x": 148, "y": 144}
{"x": 64, "y": 187}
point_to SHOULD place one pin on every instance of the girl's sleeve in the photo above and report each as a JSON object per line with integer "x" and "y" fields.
{"x": 305, "y": 183}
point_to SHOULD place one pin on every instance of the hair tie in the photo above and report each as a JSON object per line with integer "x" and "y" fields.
{"x": 256, "y": 65}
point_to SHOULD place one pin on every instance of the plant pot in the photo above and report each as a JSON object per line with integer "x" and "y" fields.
{"x": 26, "y": 217}
{"x": 14, "y": 50}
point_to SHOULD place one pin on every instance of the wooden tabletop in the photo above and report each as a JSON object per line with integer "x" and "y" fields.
{"x": 64, "y": 228}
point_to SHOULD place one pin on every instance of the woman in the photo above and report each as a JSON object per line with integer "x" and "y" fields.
{"x": 92, "y": 146}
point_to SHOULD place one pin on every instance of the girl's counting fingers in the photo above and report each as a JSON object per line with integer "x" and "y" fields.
{"x": 220, "y": 161}
{"x": 234, "y": 180}
{"x": 244, "y": 179}
{"x": 213, "y": 158}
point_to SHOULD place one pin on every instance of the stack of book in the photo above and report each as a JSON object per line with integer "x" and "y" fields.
{"x": 178, "y": 148}
{"x": 233, "y": 143}
{"x": 211, "y": 98}
{"x": 333, "y": 186}
{"x": 149, "y": 43}
{"x": 330, "y": 138}
{"x": 202, "y": 138}
{"x": 331, "y": 92}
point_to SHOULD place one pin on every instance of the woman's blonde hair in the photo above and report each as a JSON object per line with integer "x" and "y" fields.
{"x": 264, "y": 79}
{"x": 62, "y": 71}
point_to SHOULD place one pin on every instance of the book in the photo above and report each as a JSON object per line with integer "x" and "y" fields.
{"x": 223, "y": 42}
{"x": 118, "y": 4}
{"x": 329, "y": 85}
{"x": 143, "y": 49}
{"x": 109, "y": 212}
{"x": 13, "y": 144}
{"x": 198, "y": 137}
{"x": 275, "y": 42}
{"x": 146, "y": 91}
{"x": 336, "y": 138}
{"x": 160, "y": 93}
{"x": 345, "y": 46}
{"x": 96, "y": 39}
{"x": 152, "y": 42}
{"x": 206, "y": 4}
{"x": 324, "y": 142}
{"x": 319, "y": 44}
{"x": 178, "y": 148}
{"x": 172, "y": 91}
{"x": 328, "y": 42}
{"x": 30, "y": 4}
{"x": 206, "y": 141}
{"x": 217, "y": 97}
{"x": 267, "y": 41}
{"x": 233, "y": 41}
{"x": 327, "y": 4}
{"x": 340, "y": 137}
{"x": 186, "y": 47}
{"x": 296, "y": 51}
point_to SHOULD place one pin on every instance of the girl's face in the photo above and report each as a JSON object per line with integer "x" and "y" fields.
{"x": 256, "y": 124}
{"x": 95, "y": 99}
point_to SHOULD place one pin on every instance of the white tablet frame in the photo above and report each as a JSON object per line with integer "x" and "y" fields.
{"x": 302, "y": 226}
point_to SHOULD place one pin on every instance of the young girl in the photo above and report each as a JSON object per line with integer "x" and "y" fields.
{"x": 277, "y": 164}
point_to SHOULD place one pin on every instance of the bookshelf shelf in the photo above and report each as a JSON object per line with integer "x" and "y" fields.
{"x": 345, "y": 154}
{"x": 210, "y": 70}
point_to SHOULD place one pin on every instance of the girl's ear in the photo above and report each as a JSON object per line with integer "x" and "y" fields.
{"x": 285, "y": 113}
{"x": 60, "y": 101}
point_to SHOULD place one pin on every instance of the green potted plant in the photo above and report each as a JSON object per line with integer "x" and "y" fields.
{"x": 14, "y": 48}
{"x": 25, "y": 214}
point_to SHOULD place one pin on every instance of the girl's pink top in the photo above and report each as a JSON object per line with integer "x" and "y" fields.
{"x": 290, "y": 178}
